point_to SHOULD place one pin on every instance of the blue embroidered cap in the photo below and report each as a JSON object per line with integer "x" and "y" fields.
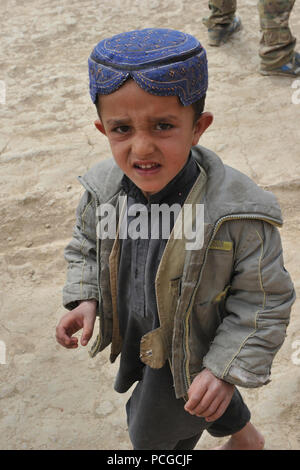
{"x": 163, "y": 62}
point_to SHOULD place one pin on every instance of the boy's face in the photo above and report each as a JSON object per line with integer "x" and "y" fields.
{"x": 150, "y": 136}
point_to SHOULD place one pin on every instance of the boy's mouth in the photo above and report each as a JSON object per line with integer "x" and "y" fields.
{"x": 147, "y": 167}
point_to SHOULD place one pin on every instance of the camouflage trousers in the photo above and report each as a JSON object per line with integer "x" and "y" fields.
{"x": 277, "y": 43}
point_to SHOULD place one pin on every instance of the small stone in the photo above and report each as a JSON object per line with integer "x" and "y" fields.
{"x": 47, "y": 225}
{"x": 70, "y": 21}
{"x": 221, "y": 147}
{"x": 28, "y": 244}
{"x": 62, "y": 28}
{"x": 61, "y": 116}
{"x": 69, "y": 187}
{"x": 104, "y": 409}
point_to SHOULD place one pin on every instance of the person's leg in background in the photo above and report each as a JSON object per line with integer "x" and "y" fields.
{"x": 222, "y": 21}
{"x": 277, "y": 45}
{"x": 222, "y": 12}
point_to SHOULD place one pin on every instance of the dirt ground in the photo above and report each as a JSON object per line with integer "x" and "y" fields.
{"x": 52, "y": 398}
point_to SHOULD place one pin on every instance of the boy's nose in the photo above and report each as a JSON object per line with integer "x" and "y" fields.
{"x": 142, "y": 145}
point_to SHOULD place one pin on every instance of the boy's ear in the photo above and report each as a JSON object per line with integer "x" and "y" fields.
{"x": 201, "y": 125}
{"x": 99, "y": 126}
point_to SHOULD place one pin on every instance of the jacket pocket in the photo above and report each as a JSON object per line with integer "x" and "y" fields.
{"x": 154, "y": 349}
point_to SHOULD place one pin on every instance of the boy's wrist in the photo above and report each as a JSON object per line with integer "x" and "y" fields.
{"x": 87, "y": 300}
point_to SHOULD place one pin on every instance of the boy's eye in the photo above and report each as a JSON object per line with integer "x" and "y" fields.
{"x": 164, "y": 126}
{"x": 121, "y": 129}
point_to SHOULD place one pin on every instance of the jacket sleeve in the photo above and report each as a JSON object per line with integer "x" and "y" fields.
{"x": 81, "y": 253}
{"x": 257, "y": 309}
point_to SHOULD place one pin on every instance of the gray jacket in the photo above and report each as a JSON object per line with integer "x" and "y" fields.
{"x": 224, "y": 306}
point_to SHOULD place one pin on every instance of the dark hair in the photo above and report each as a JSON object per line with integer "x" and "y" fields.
{"x": 198, "y": 107}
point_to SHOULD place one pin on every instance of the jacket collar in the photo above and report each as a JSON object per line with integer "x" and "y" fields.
{"x": 231, "y": 193}
{"x": 228, "y": 193}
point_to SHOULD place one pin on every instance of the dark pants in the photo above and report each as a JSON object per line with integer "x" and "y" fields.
{"x": 157, "y": 419}
{"x": 236, "y": 416}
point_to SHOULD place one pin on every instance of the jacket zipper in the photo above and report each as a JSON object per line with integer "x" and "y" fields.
{"x": 97, "y": 343}
{"x": 186, "y": 374}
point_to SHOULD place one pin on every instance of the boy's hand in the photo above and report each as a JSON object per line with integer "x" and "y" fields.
{"x": 83, "y": 316}
{"x": 208, "y": 396}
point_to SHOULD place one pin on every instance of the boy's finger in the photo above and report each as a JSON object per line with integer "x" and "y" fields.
{"x": 88, "y": 327}
{"x": 69, "y": 342}
{"x": 196, "y": 393}
{"x": 193, "y": 401}
{"x": 205, "y": 403}
{"x": 64, "y": 339}
{"x": 209, "y": 408}
{"x": 219, "y": 412}
{"x": 72, "y": 343}
{"x": 61, "y": 336}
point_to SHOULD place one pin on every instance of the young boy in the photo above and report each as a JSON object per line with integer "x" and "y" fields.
{"x": 190, "y": 322}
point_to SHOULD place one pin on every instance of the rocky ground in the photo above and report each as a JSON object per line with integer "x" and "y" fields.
{"x": 51, "y": 398}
